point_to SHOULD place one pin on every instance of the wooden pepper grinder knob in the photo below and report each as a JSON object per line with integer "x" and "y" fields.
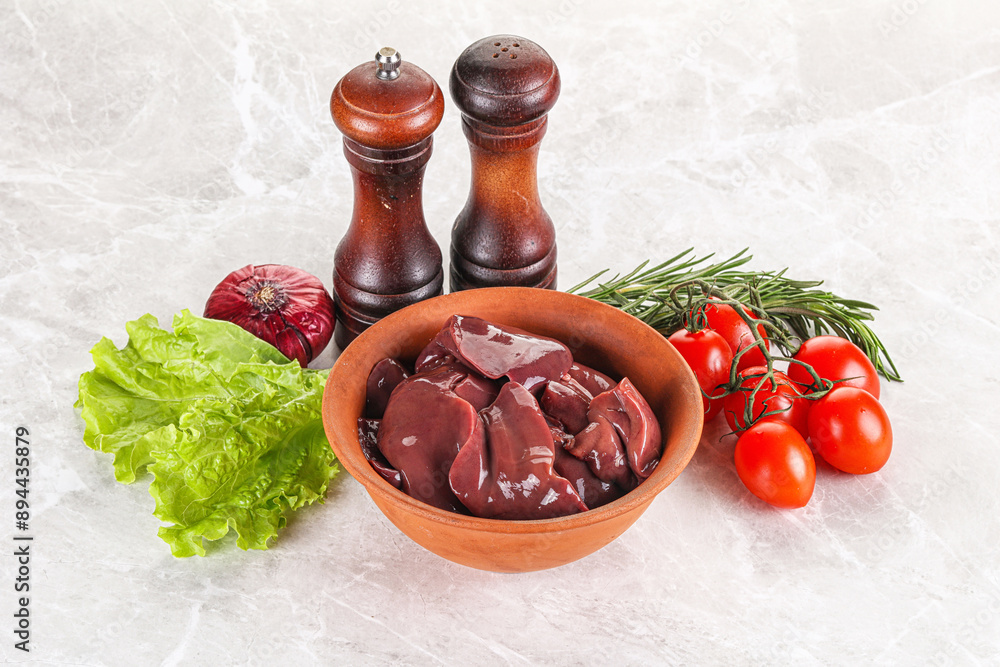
{"x": 505, "y": 86}
{"x": 387, "y": 111}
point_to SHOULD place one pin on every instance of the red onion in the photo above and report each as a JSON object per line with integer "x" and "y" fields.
{"x": 281, "y": 305}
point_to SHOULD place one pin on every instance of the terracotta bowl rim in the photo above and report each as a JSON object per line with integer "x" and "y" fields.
{"x": 358, "y": 467}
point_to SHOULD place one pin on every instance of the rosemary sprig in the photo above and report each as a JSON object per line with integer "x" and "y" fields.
{"x": 797, "y": 305}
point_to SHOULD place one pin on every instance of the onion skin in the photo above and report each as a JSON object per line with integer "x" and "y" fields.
{"x": 284, "y": 306}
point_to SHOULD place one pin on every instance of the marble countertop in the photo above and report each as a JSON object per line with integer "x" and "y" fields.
{"x": 149, "y": 149}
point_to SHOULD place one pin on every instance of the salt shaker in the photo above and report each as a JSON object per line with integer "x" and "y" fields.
{"x": 504, "y": 86}
{"x": 387, "y": 111}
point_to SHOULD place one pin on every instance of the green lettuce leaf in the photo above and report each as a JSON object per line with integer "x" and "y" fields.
{"x": 230, "y": 429}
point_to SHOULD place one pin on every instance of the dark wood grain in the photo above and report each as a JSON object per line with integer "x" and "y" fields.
{"x": 504, "y": 86}
{"x": 387, "y": 259}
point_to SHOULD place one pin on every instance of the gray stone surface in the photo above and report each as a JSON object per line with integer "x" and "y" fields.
{"x": 148, "y": 149}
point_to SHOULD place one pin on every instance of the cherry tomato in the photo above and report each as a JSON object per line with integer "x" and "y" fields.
{"x": 835, "y": 358}
{"x": 850, "y": 430}
{"x": 709, "y": 356}
{"x": 725, "y": 321}
{"x": 785, "y": 397}
{"x": 775, "y": 464}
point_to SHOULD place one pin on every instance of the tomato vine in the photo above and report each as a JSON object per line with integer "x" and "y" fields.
{"x": 790, "y": 310}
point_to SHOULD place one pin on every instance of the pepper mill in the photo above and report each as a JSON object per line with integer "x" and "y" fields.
{"x": 504, "y": 86}
{"x": 387, "y": 111}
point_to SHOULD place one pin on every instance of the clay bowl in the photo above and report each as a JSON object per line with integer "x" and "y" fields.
{"x": 599, "y": 336}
